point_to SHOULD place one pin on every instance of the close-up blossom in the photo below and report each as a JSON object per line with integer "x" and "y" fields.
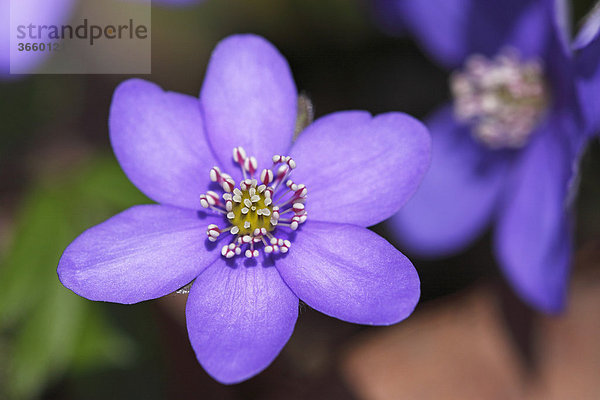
{"x": 506, "y": 147}
{"x": 256, "y": 221}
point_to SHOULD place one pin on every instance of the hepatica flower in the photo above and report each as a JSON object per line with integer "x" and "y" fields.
{"x": 256, "y": 222}
{"x": 504, "y": 149}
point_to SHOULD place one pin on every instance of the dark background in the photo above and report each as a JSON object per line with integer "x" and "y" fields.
{"x": 58, "y": 177}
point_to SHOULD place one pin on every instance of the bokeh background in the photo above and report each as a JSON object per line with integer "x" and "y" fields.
{"x": 469, "y": 338}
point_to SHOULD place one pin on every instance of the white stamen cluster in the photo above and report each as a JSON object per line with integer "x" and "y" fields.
{"x": 502, "y": 98}
{"x": 256, "y": 208}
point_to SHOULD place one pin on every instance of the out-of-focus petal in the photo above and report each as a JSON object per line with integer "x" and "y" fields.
{"x": 240, "y": 314}
{"x": 25, "y": 12}
{"x": 530, "y": 30}
{"x": 450, "y": 30}
{"x": 458, "y": 196}
{"x": 561, "y": 12}
{"x": 589, "y": 30}
{"x": 532, "y": 239}
{"x": 359, "y": 169}
{"x": 142, "y": 253}
{"x": 350, "y": 273}
{"x": 159, "y": 140}
{"x": 4, "y": 39}
{"x": 249, "y": 99}
{"x": 587, "y": 62}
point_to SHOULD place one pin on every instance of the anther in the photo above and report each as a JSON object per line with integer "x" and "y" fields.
{"x": 239, "y": 155}
{"x": 228, "y": 185}
{"x": 266, "y": 176}
{"x": 250, "y": 165}
{"x": 285, "y": 247}
{"x": 282, "y": 171}
{"x": 213, "y": 232}
{"x": 215, "y": 174}
{"x": 246, "y": 239}
{"x": 298, "y": 207}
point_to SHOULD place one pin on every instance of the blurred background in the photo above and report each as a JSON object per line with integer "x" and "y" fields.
{"x": 469, "y": 338}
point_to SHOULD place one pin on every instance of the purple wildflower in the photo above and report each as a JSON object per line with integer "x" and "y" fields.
{"x": 504, "y": 151}
{"x": 255, "y": 221}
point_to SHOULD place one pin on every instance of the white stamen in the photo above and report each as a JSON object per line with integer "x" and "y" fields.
{"x": 204, "y": 202}
{"x": 250, "y": 208}
{"x": 503, "y": 98}
{"x": 214, "y": 174}
{"x": 239, "y": 154}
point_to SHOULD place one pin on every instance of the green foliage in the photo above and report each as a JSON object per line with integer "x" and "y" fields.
{"x": 45, "y": 328}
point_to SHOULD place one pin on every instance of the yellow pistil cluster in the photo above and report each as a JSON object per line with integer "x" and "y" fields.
{"x": 250, "y": 209}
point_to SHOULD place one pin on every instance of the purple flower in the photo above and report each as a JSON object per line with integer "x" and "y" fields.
{"x": 232, "y": 220}
{"x": 504, "y": 151}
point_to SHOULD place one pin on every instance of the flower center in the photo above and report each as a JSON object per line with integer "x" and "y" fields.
{"x": 257, "y": 207}
{"x": 502, "y": 98}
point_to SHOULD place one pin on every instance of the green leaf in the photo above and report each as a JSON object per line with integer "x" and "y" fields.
{"x": 46, "y": 327}
{"x": 45, "y": 343}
